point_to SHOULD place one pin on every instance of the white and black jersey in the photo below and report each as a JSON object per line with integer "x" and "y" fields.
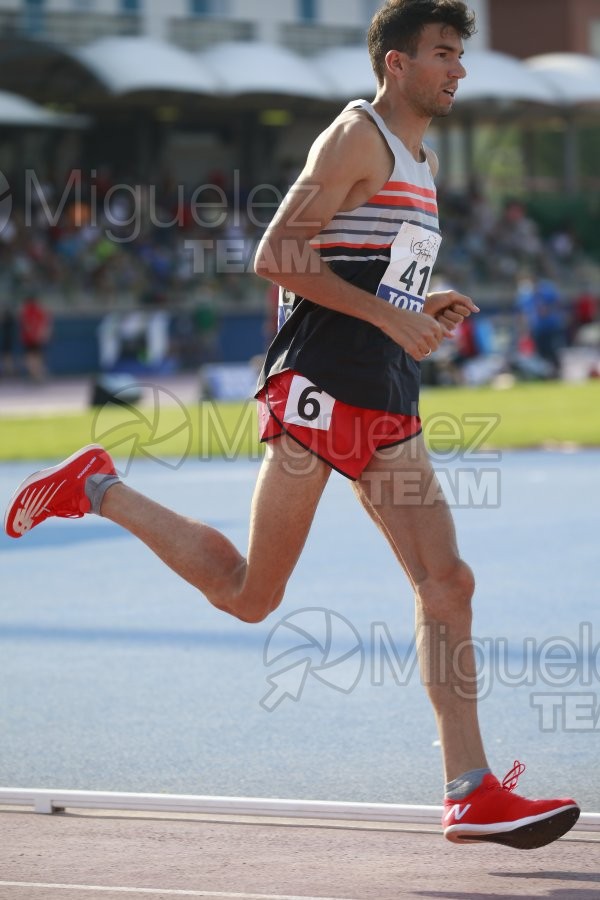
{"x": 387, "y": 247}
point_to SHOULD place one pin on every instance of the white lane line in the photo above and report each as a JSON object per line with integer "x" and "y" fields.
{"x": 164, "y": 892}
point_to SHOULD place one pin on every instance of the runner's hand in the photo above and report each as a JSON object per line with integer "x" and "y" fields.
{"x": 417, "y": 333}
{"x": 449, "y": 308}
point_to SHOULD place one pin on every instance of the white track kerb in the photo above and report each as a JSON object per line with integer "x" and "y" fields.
{"x": 51, "y": 801}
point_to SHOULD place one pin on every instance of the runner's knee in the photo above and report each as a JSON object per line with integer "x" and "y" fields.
{"x": 444, "y": 596}
{"x": 255, "y": 609}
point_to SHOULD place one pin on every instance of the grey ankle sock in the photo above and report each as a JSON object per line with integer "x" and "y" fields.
{"x": 460, "y": 787}
{"x": 95, "y": 488}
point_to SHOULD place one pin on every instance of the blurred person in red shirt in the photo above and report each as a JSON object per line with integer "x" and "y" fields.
{"x": 36, "y": 329}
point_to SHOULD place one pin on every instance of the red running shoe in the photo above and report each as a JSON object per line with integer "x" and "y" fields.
{"x": 493, "y": 813}
{"x": 58, "y": 491}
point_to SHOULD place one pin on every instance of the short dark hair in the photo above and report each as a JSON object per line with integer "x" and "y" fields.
{"x": 399, "y": 23}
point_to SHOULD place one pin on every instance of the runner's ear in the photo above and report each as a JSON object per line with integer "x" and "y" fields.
{"x": 394, "y": 61}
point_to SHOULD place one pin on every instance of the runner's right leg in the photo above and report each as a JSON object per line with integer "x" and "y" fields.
{"x": 288, "y": 490}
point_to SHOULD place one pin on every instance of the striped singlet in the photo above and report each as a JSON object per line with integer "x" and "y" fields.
{"x": 386, "y": 247}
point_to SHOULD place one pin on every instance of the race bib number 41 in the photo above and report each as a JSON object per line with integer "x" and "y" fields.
{"x": 406, "y": 280}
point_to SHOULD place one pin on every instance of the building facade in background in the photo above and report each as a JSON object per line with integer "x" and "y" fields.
{"x": 306, "y": 26}
{"x": 526, "y": 28}
{"x": 519, "y": 27}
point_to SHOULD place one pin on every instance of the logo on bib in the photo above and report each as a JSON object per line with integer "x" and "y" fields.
{"x": 427, "y": 249}
{"x": 406, "y": 280}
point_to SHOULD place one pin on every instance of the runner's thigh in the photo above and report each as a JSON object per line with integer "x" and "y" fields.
{"x": 401, "y": 493}
{"x": 287, "y": 493}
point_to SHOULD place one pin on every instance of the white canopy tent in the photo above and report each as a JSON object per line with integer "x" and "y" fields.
{"x": 133, "y": 64}
{"x": 496, "y": 86}
{"x": 18, "y": 112}
{"x": 347, "y": 72}
{"x": 126, "y": 65}
{"x": 498, "y": 78}
{"x": 573, "y": 77}
{"x": 260, "y": 68}
{"x": 575, "y": 81}
{"x": 133, "y": 70}
{"x": 492, "y": 77}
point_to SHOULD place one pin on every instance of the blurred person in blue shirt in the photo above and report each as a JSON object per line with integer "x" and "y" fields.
{"x": 538, "y": 302}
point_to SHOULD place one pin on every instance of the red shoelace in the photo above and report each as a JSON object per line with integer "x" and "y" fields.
{"x": 510, "y": 780}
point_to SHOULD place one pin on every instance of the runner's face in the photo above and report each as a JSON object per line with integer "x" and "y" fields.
{"x": 432, "y": 75}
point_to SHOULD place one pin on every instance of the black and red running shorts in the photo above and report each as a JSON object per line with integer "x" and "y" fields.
{"x": 344, "y": 436}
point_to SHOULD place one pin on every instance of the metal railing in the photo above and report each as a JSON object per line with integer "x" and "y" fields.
{"x": 50, "y": 801}
{"x": 310, "y": 39}
{"x": 197, "y": 33}
{"x": 67, "y": 27}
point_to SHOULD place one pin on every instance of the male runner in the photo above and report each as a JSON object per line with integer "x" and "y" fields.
{"x": 340, "y": 390}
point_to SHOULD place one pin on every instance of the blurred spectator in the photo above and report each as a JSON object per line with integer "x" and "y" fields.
{"x": 104, "y": 239}
{"x": 585, "y": 309}
{"x": 193, "y": 336}
{"x": 36, "y": 329}
{"x": 585, "y": 322}
{"x": 563, "y": 247}
{"x": 136, "y": 342}
{"x": 116, "y": 239}
{"x": 538, "y": 302}
{"x": 8, "y": 338}
{"x": 516, "y": 239}
{"x": 124, "y": 246}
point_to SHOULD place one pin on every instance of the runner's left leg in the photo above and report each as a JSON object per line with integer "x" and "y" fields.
{"x": 400, "y": 492}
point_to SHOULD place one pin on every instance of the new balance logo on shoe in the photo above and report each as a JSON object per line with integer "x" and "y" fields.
{"x": 34, "y": 503}
{"x": 22, "y": 521}
{"x": 457, "y": 811}
{"x": 497, "y": 814}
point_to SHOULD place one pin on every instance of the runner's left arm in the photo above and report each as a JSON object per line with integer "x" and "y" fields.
{"x": 449, "y": 308}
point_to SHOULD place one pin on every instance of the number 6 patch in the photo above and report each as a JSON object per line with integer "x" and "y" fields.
{"x": 308, "y": 405}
